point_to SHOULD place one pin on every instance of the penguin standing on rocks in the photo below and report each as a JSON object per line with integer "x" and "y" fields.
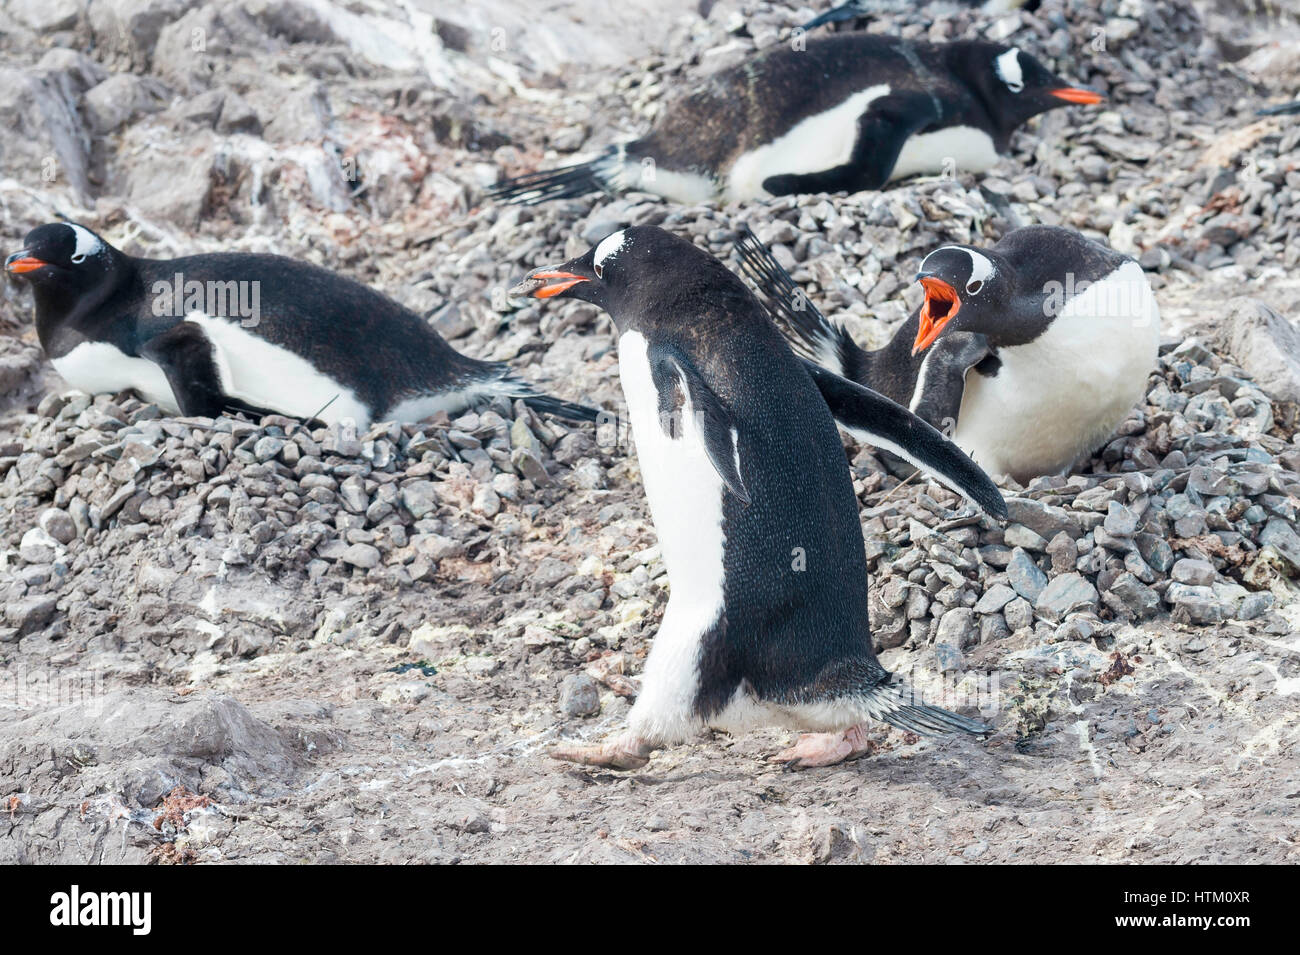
{"x": 240, "y": 332}
{"x": 754, "y": 507}
{"x": 848, "y": 112}
{"x": 1029, "y": 353}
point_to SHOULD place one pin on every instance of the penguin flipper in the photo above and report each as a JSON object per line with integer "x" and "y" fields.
{"x": 883, "y": 129}
{"x": 809, "y": 332}
{"x": 188, "y": 360}
{"x": 876, "y": 420}
{"x": 679, "y": 384}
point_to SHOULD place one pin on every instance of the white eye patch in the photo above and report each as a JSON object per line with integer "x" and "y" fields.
{"x": 1007, "y": 67}
{"x": 609, "y": 247}
{"x": 87, "y": 242}
{"x": 981, "y": 266}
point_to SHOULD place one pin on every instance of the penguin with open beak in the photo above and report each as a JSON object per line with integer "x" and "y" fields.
{"x": 752, "y": 499}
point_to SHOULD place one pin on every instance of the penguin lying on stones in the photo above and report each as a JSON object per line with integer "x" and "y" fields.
{"x": 754, "y": 507}
{"x": 849, "y": 112}
{"x": 1029, "y": 353}
{"x": 240, "y": 332}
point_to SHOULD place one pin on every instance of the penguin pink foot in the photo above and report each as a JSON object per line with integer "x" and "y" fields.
{"x": 625, "y": 752}
{"x": 826, "y": 749}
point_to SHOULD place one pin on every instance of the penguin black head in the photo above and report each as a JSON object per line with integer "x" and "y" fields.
{"x": 630, "y": 273}
{"x": 1013, "y": 84}
{"x": 972, "y": 290}
{"x": 63, "y": 258}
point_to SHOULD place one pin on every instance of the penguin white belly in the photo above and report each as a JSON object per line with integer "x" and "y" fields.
{"x": 685, "y": 495}
{"x": 267, "y": 376}
{"x": 101, "y": 368}
{"x": 956, "y": 149}
{"x": 814, "y": 144}
{"x": 1063, "y": 394}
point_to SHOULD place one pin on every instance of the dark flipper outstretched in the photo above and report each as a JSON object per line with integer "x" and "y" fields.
{"x": 810, "y": 333}
{"x": 883, "y": 423}
{"x": 566, "y": 182}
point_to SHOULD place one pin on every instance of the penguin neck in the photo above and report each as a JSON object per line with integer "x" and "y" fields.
{"x": 61, "y": 310}
{"x": 891, "y": 370}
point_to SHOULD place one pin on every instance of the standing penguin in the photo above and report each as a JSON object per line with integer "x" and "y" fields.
{"x": 257, "y": 333}
{"x": 849, "y": 112}
{"x": 1030, "y": 352}
{"x": 754, "y": 507}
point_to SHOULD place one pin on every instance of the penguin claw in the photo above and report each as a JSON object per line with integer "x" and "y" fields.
{"x": 622, "y": 754}
{"x": 812, "y": 750}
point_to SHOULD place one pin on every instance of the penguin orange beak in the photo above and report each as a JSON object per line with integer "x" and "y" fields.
{"x": 544, "y": 284}
{"x": 1077, "y": 94}
{"x": 941, "y": 306}
{"x": 21, "y": 262}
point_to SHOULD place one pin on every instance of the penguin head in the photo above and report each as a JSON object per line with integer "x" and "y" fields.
{"x": 628, "y": 273}
{"x": 63, "y": 259}
{"x": 965, "y": 288}
{"x": 1013, "y": 85}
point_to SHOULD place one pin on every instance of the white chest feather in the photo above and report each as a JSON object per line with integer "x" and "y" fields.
{"x": 953, "y": 150}
{"x": 1063, "y": 394}
{"x": 101, "y": 368}
{"x": 815, "y": 144}
{"x": 685, "y": 495}
{"x": 268, "y": 376}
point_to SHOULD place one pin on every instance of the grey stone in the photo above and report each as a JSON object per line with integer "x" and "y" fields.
{"x": 38, "y": 547}
{"x": 1135, "y": 597}
{"x": 420, "y": 498}
{"x": 1281, "y": 536}
{"x": 1043, "y": 519}
{"x": 29, "y": 614}
{"x": 1155, "y": 550}
{"x": 1064, "y": 553}
{"x": 1120, "y": 521}
{"x": 58, "y": 524}
{"x": 1255, "y": 605}
{"x": 1025, "y": 577}
{"x": 364, "y": 556}
{"x": 957, "y": 628}
{"x": 1199, "y": 573}
{"x": 579, "y": 696}
{"x": 1019, "y": 613}
{"x": 994, "y": 599}
{"x": 1018, "y": 535}
{"x": 1065, "y": 594}
{"x": 1265, "y": 344}
{"x": 1199, "y": 605}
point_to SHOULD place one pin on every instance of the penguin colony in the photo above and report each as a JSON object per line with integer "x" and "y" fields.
{"x": 1023, "y": 357}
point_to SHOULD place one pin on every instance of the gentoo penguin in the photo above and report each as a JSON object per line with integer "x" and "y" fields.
{"x": 1029, "y": 353}
{"x": 855, "y": 9}
{"x": 256, "y": 333}
{"x": 754, "y": 507}
{"x": 849, "y": 112}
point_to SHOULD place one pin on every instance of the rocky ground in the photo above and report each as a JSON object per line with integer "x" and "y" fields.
{"x": 240, "y": 640}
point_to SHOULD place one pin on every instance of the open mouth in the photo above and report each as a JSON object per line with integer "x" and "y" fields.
{"x": 941, "y": 306}
{"x": 546, "y": 284}
{"x": 21, "y": 262}
{"x": 1077, "y": 94}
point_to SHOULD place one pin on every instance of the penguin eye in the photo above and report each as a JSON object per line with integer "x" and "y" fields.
{"x": 600, "y": 271}
{"x": 974, "y": 287}
{"x": 78, "y": 258}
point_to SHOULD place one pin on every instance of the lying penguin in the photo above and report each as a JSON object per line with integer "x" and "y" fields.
{"x": 752, "y": 500}
{"x": 240, "y": 332}
{"x": 1029, "y": 353}
{"x": 849, "y": 112}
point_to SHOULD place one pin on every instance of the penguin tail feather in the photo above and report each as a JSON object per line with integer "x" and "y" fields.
{"x": 809, "y": 332}
{"x": 560, "y": 408}
{"x": 504, "y": 384}
{"x": 567, "y": 182}
{"x": 845, "y": 11}
{"x": 1281, "y": 110}
{"x": 897, "y": 704}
